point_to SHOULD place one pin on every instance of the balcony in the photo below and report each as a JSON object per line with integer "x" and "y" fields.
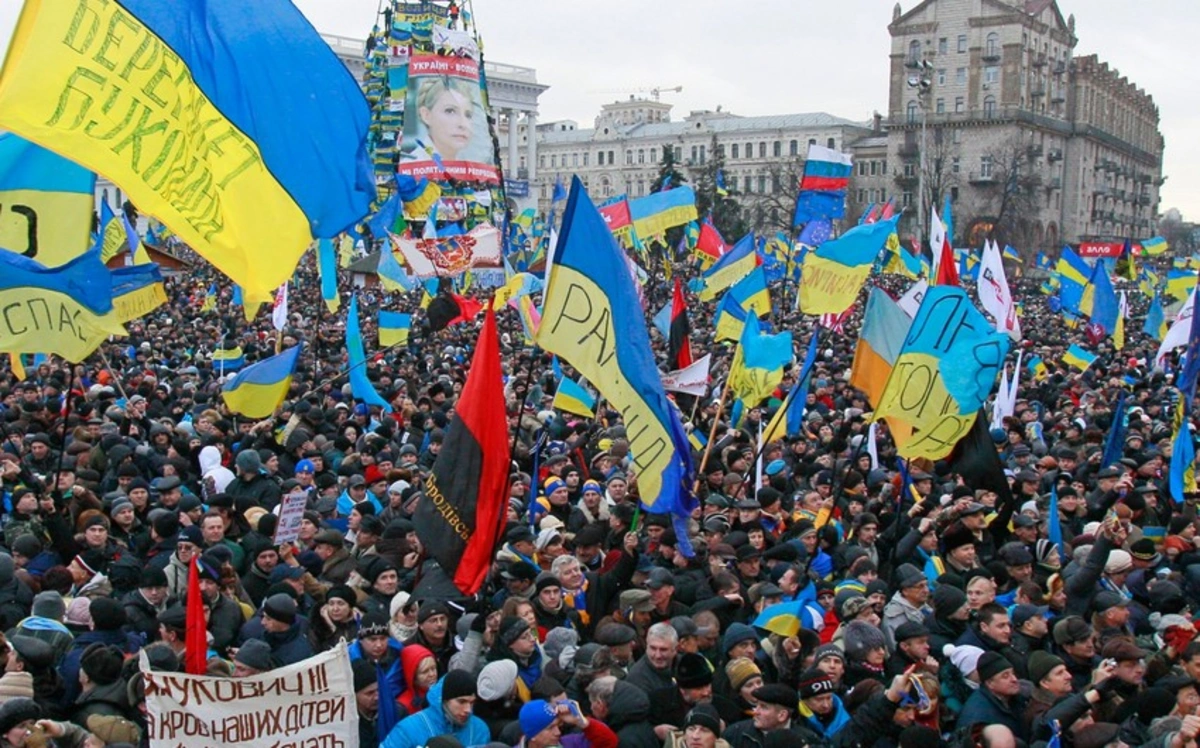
{"x": 1054, "y": 154}
{"x": 912, "y": 63}
{"x": 1060, "y": 68}
{"x": 1038, "y": 92}
{"x": 1054, "y": 183}
{"x": 907, "y": 180}
{"x": 977, "y": 177}
{"x": 1034, "y": 150}
{"x": 1100, "y": 191}
{"x": 909, "y": 150}
{"x": 1039, "y": 61}
{"x": 991, "y": 54}
{"x": 1057, "y": 98}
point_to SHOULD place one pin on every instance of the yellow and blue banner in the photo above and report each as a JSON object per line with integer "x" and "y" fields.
{"x": 1156, "y": 319}
{"x": 228, "y": 359}
{"x": 594, "y": 320}
{"x": 732, "y": 267}
{"x": 258, "y": 389}
{"x": 574, "y": 398}
{"x": 945, "y": 371}
{"x": 1155, "y": 246}
{"x": 789, "y": 419}
{"x": 233, "y": 123}
{"x": 1183, "y": 456}
{"x": 394, "y": 328}
{"x": 1180, "y": 283}
{"x": 65, "y": 310}
{"x": 45, "y": 203}
{"x": 1037, "y": 368}
{"x": 360, "y": 384}
{"x": 757, "y": 367}
{"x": 657, "y": 212}
{"x": 114, "y": 236}
{"x": 327, "y": 269}
{"x": 137, "y": 291}
{"x": 748, "y": 297}
{"x": 1079, "y": 357}
{"x": 835, "y": 272}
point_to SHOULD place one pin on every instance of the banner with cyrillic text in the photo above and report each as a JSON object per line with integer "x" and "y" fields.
{"x": 307, "y": 705}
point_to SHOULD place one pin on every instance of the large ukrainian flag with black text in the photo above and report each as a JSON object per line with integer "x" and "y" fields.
{"x": 592, "y": 318}
{"x": 232, "y": 122}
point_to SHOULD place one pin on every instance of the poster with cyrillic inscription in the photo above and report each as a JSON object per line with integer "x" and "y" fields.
{"x": 307, "y": 705}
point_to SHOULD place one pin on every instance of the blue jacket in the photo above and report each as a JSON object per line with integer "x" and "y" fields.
{"x": 841, "y": 718}
{"x": 129, "y": 644}
{"x": 391, "y": 685}
{"x": 430, "y": 722}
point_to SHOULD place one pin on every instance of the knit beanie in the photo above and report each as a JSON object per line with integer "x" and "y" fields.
{"x": 736, "y": 634}
{"x": 14, "y": 685}
{"x": 1041, "y": 663}
{"x": 947, "y": 599}
{"x": 992, "y": 664}
{"x": 49, "y": 605}
{"x": 536, "y": 716}
{"x": 456, "y": 684}
{"x": 496, "y": 680}
{"x": 861, "y": 637}
{"x": 102, "y": 664}
{"x": 739, "y": 670}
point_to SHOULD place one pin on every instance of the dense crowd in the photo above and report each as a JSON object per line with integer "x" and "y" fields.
{"x": 940, "y": 614}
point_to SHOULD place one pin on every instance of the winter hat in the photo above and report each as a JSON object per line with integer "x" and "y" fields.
{"x": 739, "y": 670}
{"x": 991, "y": 664}
{"x": 102, "y": 664}
{"x": 78, "y": 613}
{"x": 15, "y": 685}
{"x": 496, "y": 680}
{"x": 558, "y": 640}
{"x": 256, "y": 654}
{"x": 964, "y": 657}
{"x": 1041, "y": 663}
{"x": 511, "y": 629}
{"x": 373, "y": 624}
{"x": 248, "y": 461}
{"x": 431, "y": 609}
{"x": 342, "y": 592}
{"x": 281, "y": 608}
{"x": 546, "y": 580}
{"x": 908, "y": 575}
{"x": 693, "y": 671}
{"x": 814, "y": 682}
{"x": 364, "y": 672}
{"x": 1118, "y": 561}
{"x": 535, "y": 716}
{"x": 861, "y": 637}
{"x": 1154, "y": 703}
{"x": 15, "y": 711}
{"x": 49, "y": 604}
{"x": 107, "y": 614}
{"x": 736, "y": 634}
{"x": 456, "y": 684}
{"x": 828, "y": 650}
{"x": 706, "y": 716}
{"x": 947, "y": 600}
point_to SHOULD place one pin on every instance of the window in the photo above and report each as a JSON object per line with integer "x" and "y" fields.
{"x": 883, "y": 167}
{"x": 762, "y": 150}
{"x": 991, "y": 47}
{"x": 991, "y": 74}
{"x": 574, "y": 159}
{"x": 956, "y": 136}
{"x": 794, "y": 148}
{"x": 544, "y": 195}
{"x": 860, "y": 194}
{"x": 941, "y": 76}
{"x": 906, "y": 198}
{"x": 612, "y": 159}
{"x": 585, "y": 158}
{"x": 749, "y": 150}
{"x": 912, "y": 112}
{"x": 940, "y": 106}
{"x": 943, "y": 47}
{"x": 989, "y": 106}
{"x": 958, "y": 104}
{"x": 641, "y": 188}
{"x": 678, "y": 153}
{"x": 954, "y": 194}
{"x": 749, "y": 185}
{"x": 554, "y": 161}
{"x": 985, "y": 167}
{"x": 874, "y": 168}
{"x": 962, "y": 43}
{"x": 628, "y": 186}
{"x": 830, "y": 143}
{"x": 862, "y": 168}
{"x": 812, "y": 141}
{"x": 721, "y": 150}
{"x": 960, "y": 76}
{"x": 762, "y": 183}
{"x": 909, "y": 169}
{"x": 702, "y": 155}
{"x": 914, "y": 51}
{"x": 695, "y": 155}
{"x": 954, "y": 164}
{"x": 541, "y": 162}
{"x": 654, "y": 155}
{"x": 775, "y": 182}
{"x": 733, "y": 151}
{"x": 777, "y": 149}
{"x": 629, "y": 158}
{"x": 641, "y": 156}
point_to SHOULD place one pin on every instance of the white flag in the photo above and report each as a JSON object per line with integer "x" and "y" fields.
{"x": 691, "y": 380}
{"x": 1180, "y": 330}
{"x": 910, "y": 302}
{"x": 994, "y": 294}
{"x": 937, "y": 237}
{"x": 279, "y": 311}
{"x": 872, "y": 449}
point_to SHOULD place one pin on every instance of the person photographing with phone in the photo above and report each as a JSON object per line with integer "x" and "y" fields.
{"x": 542, "y": 724}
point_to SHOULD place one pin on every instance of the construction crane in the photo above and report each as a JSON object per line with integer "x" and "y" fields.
{"x": 654, "y": 92}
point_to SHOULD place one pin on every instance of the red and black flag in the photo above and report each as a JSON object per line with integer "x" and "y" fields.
{"x": 448, "y": 308}
{"x": 976, "y": 460}
{"x": 679, "y": 344}
{"x": 461, "y": 517}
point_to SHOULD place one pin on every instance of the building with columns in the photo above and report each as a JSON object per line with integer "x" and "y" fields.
{"x": 988, "y": 104}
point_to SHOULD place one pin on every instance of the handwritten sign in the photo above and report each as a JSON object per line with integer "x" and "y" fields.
{"x": 310, "y": 704}
{"x": 291, "y": 514}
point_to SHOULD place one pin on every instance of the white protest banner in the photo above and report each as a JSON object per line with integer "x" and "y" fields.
{"x": 691, "y": 380}
{"x": 307, "y": 705}
{"x": 910, "y": 302}
{"x": 291, "y": 514}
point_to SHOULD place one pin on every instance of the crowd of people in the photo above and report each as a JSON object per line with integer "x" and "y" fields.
{"x": 933, "y": 612}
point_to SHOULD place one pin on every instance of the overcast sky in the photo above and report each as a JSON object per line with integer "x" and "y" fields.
{"x": 784, "y": 56}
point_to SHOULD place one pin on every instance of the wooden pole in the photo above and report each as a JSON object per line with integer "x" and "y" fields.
{"x": 712, "y": 432}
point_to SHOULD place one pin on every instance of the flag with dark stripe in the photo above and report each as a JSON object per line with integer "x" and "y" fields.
{"x": 461, "y": 517}
{"x": 679, "y": 345}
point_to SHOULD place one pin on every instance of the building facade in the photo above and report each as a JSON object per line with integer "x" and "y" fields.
{"x": 989, "y": 106}
{"x": 622, "y": 152}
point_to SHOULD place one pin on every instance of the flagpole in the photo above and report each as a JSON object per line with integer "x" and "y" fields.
{"x": 116, "y": 379}
{"x": 712, "y": 433}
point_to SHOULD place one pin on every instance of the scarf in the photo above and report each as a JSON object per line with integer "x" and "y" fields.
{"x": 577, "y": 599}
{"x": 528, "y": 673}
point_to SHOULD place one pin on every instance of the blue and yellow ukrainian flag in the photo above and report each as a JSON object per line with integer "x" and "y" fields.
{"x": 327, "y": 269}
{"x": 1037, "y": 368}
{"x": 46, "y": 201}
{"x": 393, "y": 328}
{"x": 228, "y": 359}
{"x": 732, "y": 267}
{"x": 1079, "y": 358}
{"x": 360, "y": 384}
{"x": 1183, "y": 456}
{"x": 655, "y": 213}
{"x": 1180, "y": 283}
{"x": 259, "y": 388}
{"x": 210, "y": 299}
{"x": 697, "y": 439}
{"x": 1011, "y": 253}
{"x": 836, "y": 271}
{"x": 757, "y": 367}
{"x": 254, "y": 135}
{"x": 1155, "y": 246}
{"x": 784, "y": 619}
{"x": 1156, "y": 319}
{"x": 574, "y": 398}
{"x": 137, "y": 291}
{"x": 114, "y": 235}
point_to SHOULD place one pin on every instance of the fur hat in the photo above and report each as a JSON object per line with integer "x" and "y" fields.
{"x": 861, "y": 637}
{"x": 102, "y": 664}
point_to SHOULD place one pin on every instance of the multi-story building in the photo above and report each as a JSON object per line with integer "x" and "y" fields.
{"x": 622, "y": 153}
{"x": 988, "y": 105}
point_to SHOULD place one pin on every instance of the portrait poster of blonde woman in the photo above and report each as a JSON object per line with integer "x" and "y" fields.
{"x": 445, "y": 125}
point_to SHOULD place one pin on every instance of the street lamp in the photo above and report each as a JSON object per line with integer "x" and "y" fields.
{"x": 922, "y": 82}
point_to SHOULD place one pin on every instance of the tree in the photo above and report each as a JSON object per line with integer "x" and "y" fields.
{"x": 774, "y": 207}
{"x": 669, "y": 174}
{"x": 940, "y": 178}
{"x": 725, "y": 211}
{"x": 1005, "y": 203}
